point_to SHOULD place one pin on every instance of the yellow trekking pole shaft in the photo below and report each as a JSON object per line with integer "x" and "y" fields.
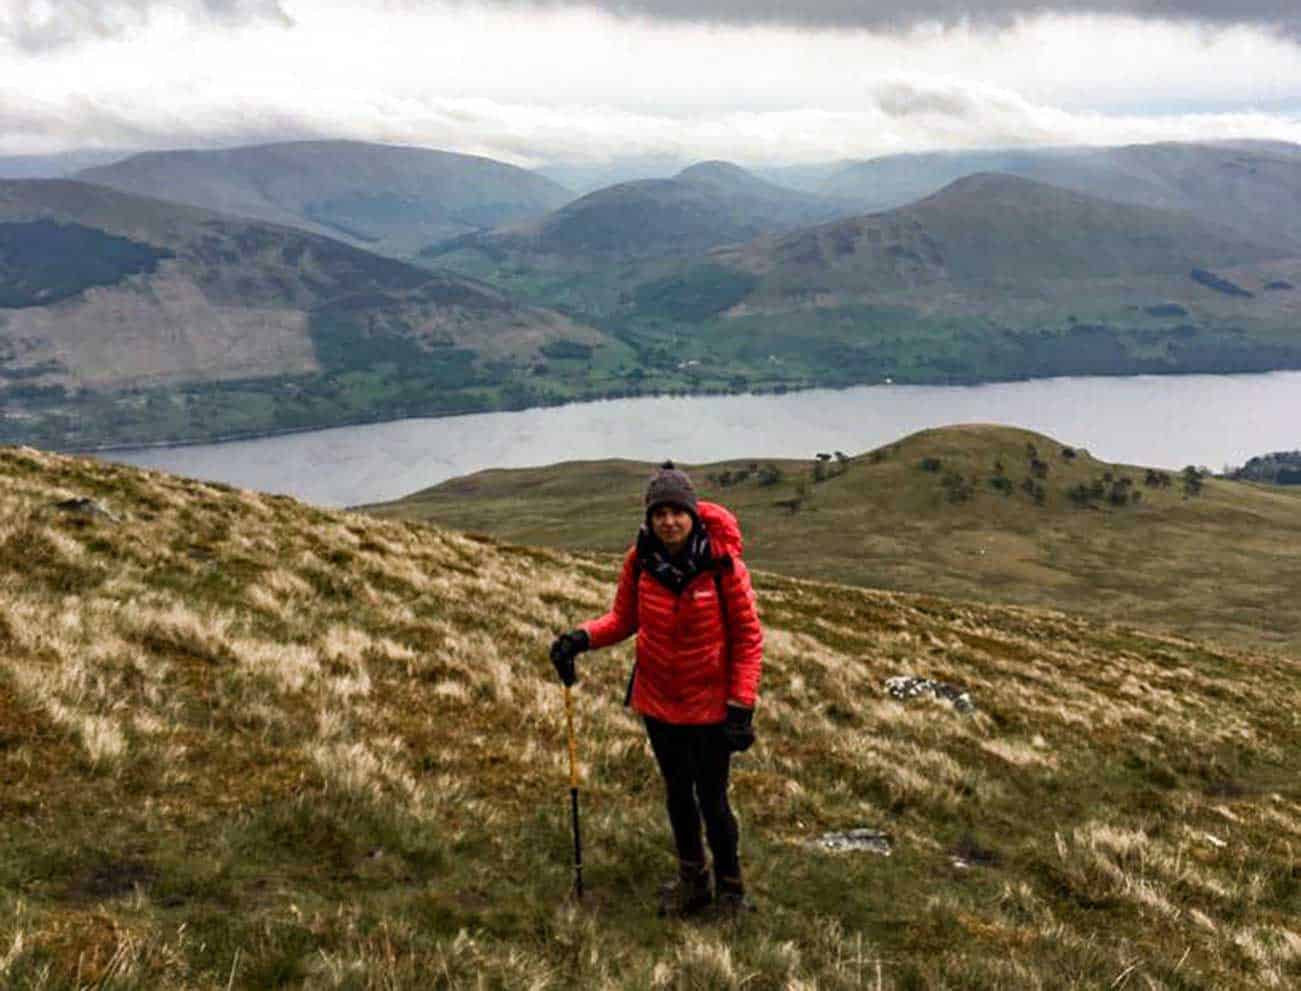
{"x": 573, "y": 793}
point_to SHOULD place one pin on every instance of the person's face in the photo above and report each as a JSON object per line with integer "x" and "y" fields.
{"x": 672, "y": 525}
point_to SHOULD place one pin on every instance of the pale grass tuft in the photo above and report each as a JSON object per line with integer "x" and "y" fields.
{"x": 264, "y": 599}
{"x": 287, "y": 667}
{"x": 705, "y": 962}
{"x": 449, "y": 689}
{"x": 358, "y": 770}
{"x": 350, "y": 686}
{"x": 68, "y": 549}
{"x": 1018, "y": 754}
{"x": 1275, "y": 951}
{"x": 102, "y": 738}
{"x": 178, "y": 626}
{"x": 497, "y": 677}
{"x": 148, "y": 724}
{"x": 286, "y": 584}
{"x": 332, "y": 723}
{"x": 1202, "y": 919}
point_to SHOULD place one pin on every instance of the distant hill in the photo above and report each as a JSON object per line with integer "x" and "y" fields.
{"x": 57, "y": 166}
{"x": 1253, "y": 187}
{"x": 978, "y": 512}
{"x": 706, "y": 205}
{"x": 588, "y": 177}
{"x": 389, "y": 199}
{"x": 229, "y": 325}
{"x": 250, "y": 743}
{"x": 995, "y": 229}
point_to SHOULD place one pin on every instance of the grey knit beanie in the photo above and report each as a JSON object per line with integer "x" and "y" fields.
{"x": 670, "y": 485}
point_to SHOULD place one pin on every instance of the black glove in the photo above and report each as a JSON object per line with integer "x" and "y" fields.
{"x": 738, "y": 729}
{"x": 567, "y": 646}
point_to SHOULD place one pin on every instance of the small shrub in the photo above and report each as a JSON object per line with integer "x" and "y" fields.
{"x": 956, "y": 488}
{"x": 1156, "y": 479}
{"x": 930, "y": 464}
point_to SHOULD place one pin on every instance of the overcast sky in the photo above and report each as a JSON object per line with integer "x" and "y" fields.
{"x": 755, "y": 81}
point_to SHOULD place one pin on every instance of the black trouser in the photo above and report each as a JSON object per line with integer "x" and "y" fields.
{"x": 694, "y": 761}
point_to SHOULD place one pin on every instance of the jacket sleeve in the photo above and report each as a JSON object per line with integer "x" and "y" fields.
{"x": 621, "y": 621}
{"x": 744, "y": 635}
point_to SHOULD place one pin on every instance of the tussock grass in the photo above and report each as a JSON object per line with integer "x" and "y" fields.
{"x": 248, "y": 743}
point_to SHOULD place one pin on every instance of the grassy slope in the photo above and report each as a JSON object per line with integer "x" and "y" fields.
{"x": 1222, "y": 564}
{"x": 246, "y": 743}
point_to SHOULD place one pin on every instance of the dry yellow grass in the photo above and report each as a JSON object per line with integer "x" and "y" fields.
{"x": 249, "y": 743}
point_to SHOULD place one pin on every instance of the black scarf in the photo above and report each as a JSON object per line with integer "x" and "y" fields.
{"x": 676, "y": 571}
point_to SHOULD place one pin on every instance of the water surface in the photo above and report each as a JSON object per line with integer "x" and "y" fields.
{"x": 1162, "y": 421}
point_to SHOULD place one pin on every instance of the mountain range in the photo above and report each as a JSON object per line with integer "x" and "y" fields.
{"x": 394, "y": 200}
{"x": 1251, "y": 186}
{"x": 513, "y": 294}
{"x": 708, "y": 204}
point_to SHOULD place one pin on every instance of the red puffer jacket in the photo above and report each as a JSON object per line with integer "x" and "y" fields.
{"x": 693, "y": 652}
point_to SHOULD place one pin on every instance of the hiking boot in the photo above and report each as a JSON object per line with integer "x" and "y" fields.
{"x": 686, "y": 894}
{"x": 731, "y": 898}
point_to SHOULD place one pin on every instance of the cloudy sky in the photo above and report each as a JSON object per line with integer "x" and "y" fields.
{"x": 762, "y": 82}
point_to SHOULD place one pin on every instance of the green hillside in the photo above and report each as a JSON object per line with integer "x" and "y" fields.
{"x": 975, "y": 512}
{"x": 248, "y": 744}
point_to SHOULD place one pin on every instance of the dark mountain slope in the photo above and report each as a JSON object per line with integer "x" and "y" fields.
{"x": 108, "y": 292}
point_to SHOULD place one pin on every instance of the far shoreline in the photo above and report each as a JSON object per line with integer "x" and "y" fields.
{"x": 663, "y": 394}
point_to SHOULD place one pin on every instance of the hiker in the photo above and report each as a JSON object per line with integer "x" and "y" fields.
{"x": 686, "y": 593}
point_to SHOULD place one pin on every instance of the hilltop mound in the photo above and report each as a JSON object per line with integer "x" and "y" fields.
{"x": 977, "y": 511}
{"x": 382, "y": 197}
{"x": 249, "y": 742}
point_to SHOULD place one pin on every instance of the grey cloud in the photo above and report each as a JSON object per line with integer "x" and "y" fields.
{"x": 1280, "y": 15}
{"x": 34, "y": 26}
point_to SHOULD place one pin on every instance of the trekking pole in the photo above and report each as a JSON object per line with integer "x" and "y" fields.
{"x": 573, "y": 794}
